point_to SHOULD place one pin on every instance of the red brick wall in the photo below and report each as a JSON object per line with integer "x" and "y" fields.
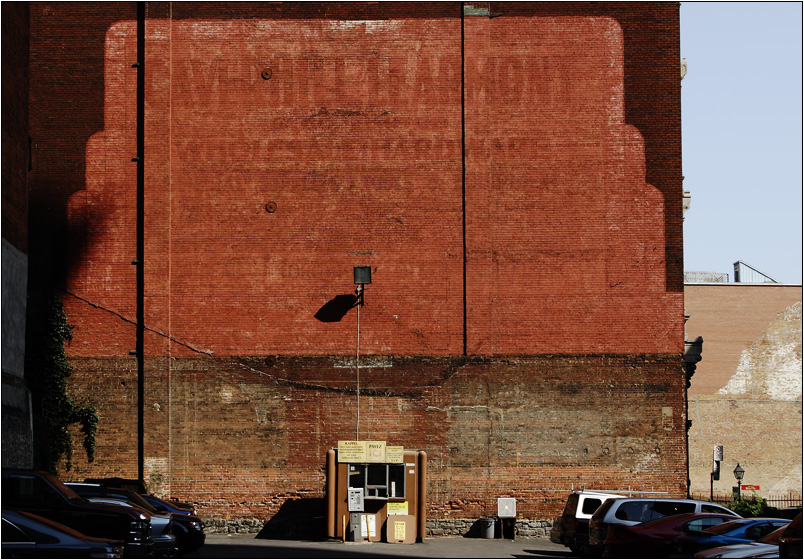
{"x": 15, "y": 125}
{"x": 356, "y": 138}
{"x": 237, "y": 435}
{"x": 16, "y": 419}
{"x": 534, "y": 212}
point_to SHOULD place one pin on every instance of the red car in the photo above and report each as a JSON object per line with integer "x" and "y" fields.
{"x": 654, "y": 539}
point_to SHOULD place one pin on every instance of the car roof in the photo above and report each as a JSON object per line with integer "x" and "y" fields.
{"x": 681, "y": 516}
{"x": 685, "y": 500}
{"x": 727, "y": 526}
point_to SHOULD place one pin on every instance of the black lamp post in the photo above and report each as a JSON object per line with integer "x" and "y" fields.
{"x": 739, "y": 473}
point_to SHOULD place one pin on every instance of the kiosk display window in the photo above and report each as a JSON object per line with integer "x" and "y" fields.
{"x": 380, "y": 481}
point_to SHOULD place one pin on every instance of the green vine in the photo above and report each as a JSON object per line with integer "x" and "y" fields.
{"x": 46, "y": 370}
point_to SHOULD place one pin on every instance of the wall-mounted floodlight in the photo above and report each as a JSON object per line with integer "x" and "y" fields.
{"x": 362, "y": 277}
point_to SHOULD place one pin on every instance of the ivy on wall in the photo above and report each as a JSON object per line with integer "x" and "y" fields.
{"x": 46, "y": 371}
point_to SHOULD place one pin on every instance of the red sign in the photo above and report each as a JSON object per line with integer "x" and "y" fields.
{"x": 749, "y": 487}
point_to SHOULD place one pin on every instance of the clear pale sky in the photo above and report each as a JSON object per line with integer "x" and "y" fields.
{"x": 741, "y": 104}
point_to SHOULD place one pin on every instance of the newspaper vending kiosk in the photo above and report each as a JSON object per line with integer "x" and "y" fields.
{"x": 376, "y": 492}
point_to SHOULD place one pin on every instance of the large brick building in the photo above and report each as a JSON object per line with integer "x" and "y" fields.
{"x": 510, "y": 172}
{"x": 17, "y": 439}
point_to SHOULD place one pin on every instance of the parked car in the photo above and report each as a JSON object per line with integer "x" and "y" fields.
{"x": 26, "y": 535}
{"x": 654, "y": 539}
{"x": 633, "y": 511}
{"x": 116, "y": 482}
{"x": 767, "y": 545}
{"x": 790, "y": 540}
{"x": 738, "y": 531}
{"x": 45, "y": 495}
{"x": 571, "y": 528}
{"x": 165, "y": 543}
{"x": 188, "y": 529}
{"x": 788, "y": 512}
{"x": 135, "y": 485}
{"x": 170, "y": 505}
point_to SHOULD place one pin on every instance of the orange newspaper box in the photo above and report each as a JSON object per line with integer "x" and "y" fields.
{"x": 401, "y": 529}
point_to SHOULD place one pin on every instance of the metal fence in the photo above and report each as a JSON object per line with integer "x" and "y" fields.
{"x": 779, "y": 501}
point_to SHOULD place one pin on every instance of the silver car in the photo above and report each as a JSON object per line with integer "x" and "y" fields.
{"x": 633, "y": 511}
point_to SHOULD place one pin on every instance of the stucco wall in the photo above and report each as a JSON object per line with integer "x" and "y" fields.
{"x": 746, "y": 392}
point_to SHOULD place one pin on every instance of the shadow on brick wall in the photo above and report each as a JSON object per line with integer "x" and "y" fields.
{"x": 336, "y": 308}
{"x": 300, "y": 519}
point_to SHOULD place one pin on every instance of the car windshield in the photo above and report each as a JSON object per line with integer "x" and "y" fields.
{"x": 773, "y": 538}
{"x": 159, "y": 503}
{"x": 139, "y": 501}
{"x": 65, "y": 490}
{"x": 669, "y": 520}
{"x": 601, "y": 511}
{"x": 42, "y": 533}
{"x": 726, "y": 527}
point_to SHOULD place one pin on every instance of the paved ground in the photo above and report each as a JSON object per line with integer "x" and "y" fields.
{"x": 248, "y": 546}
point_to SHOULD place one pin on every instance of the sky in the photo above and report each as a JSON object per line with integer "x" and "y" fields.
{"x": 741, "y": 104}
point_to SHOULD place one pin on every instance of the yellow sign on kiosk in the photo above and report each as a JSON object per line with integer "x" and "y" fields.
{"x": 351, "y": 451}
{"x": 397, "y": 508}
{"x": 394, "y": 454}
{"x": 375, "y": 452}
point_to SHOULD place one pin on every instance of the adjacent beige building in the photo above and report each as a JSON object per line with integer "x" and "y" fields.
{"x": 746, "y": 393}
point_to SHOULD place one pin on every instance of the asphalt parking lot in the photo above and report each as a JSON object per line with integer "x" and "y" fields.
{"x": 248, "y": 546}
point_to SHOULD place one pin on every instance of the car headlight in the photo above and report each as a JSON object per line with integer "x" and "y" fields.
{"x": 197, "y": 526}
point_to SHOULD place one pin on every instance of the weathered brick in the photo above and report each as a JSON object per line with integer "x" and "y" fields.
{"x": 514, "y": 183}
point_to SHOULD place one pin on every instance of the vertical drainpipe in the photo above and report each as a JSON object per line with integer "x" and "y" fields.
{"x": 463, "y": 176}
{"x": 140, "y": 240}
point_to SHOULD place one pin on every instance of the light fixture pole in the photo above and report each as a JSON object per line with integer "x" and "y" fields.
{"x": 362, "y": 276}
{"x": 739, "y": 473}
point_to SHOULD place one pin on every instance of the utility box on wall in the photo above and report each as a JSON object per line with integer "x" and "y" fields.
{"x": 369, "y": 486}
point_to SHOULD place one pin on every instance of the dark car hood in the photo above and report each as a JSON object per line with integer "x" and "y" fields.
{"x": 109, "y": 508}
{"x": 187, "y": 520}
{"x": 160, "y": 524}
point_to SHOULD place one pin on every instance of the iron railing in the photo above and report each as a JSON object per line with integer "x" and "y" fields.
{"x": 778, "y": 501}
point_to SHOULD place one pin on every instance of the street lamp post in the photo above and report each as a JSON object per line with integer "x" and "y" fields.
{"x": 739, "y": 473}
